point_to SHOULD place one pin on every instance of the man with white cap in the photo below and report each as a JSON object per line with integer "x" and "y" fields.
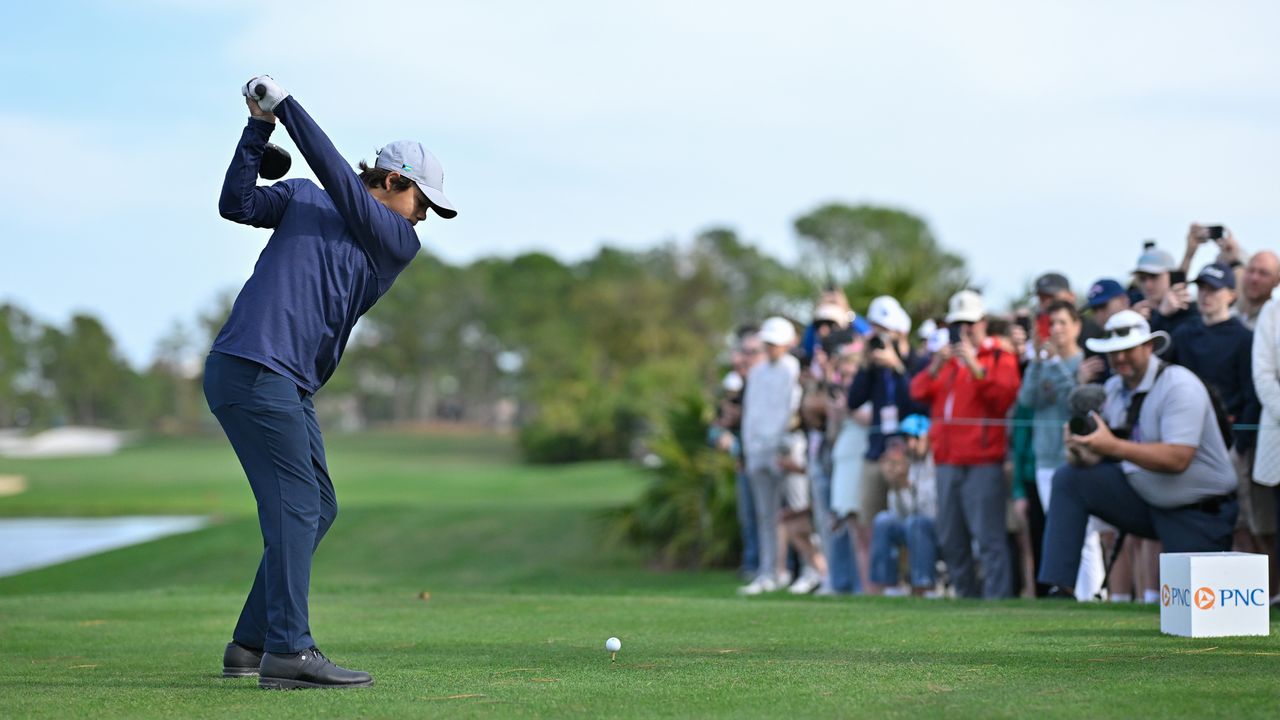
{"x": 883, "y": 381}
{"x": 1165, "y": 473}
{"x": 335, "y": 249}
{"x": 772, "y": 396}
{"x": 969, "y": 387}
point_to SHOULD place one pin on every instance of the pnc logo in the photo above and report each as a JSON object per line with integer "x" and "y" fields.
{"x": 1204, "y": 598}
{"x": 1165, "y": 595}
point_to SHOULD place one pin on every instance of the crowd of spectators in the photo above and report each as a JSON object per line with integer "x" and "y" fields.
{"x": 1054, "y": 450}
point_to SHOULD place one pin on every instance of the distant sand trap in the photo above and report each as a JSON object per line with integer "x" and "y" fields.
{"x": 12, "y": 485}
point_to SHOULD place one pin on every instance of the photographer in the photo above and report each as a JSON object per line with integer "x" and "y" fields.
{"x": 1171, "y": 480}
{"x": 883, "y": 382}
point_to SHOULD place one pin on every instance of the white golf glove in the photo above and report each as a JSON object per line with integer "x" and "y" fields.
{"x": 272, "y": 93}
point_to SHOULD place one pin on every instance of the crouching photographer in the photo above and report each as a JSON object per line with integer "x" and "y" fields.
{"x": 1162, "y": 473}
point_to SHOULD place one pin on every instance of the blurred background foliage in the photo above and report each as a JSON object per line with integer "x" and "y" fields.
{"x": 583, "y": 360}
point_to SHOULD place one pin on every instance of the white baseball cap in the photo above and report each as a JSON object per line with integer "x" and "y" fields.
{"x": 886, "y": 312}
{"x": 831, "y": 313}
{"x": 965, "y": 306}
{"x": 411, "y": 159}
{"x": 777, "y": 331}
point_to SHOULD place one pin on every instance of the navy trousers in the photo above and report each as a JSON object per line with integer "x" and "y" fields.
{"x": 1102, "y": 490}
{"x": 271, "y": 423}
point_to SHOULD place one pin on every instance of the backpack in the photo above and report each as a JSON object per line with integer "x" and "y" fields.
{"x": 1215, "y": 400}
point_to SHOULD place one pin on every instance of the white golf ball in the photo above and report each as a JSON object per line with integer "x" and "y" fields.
{"x": 613, "y": 644}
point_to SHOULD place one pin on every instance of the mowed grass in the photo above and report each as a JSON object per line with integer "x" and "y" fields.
{"x": 523, "y": 586}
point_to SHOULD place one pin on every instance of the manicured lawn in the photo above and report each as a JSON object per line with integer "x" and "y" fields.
{"x": 524, "y": 586}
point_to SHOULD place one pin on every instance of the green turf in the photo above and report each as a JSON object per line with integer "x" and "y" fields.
{"x": 524, "y": 589}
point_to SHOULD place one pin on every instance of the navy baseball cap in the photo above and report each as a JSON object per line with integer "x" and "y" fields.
{"x": 1102, "y": 291}
{"x": 1217, "y": 276}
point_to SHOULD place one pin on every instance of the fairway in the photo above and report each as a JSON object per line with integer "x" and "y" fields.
{"x": 471, "y": 585}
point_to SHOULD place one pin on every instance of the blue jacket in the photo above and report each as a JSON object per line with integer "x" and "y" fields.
{"x": 334, "y": 252}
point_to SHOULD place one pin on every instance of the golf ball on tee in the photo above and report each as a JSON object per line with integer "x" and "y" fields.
{"x": 613, "y": 644}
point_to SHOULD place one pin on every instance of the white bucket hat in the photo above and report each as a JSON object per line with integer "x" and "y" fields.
{"x": 1125, "y": 330}
{"x": 777, "y": 331}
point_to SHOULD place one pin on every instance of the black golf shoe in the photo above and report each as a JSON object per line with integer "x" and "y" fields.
{"x": 307, "y": 669}
{"x": 240, "y": 661}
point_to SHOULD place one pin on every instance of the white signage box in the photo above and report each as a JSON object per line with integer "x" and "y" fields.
{"x": 1214, "y": 594}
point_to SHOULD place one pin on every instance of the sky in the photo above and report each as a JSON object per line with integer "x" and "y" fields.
{"x": 1031, "y": 136}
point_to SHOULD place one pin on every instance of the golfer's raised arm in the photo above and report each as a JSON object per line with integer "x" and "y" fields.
{"x": 386, "y": 237}
{"x": 242, "y": 200}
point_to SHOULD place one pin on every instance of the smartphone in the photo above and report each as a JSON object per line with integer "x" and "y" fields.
{"x": 954, "y": 333}
{"x": 1214, "y": 232}
{"x": 1176, "y": 277}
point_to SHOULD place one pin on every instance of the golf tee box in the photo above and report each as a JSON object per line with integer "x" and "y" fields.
{"x": 1214, "y": 594}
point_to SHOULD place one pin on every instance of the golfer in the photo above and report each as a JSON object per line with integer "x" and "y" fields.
{"x": 333, "y": 252}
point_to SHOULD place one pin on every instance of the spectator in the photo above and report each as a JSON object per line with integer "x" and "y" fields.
{"x": 797, "y": 523}
{"x": 771, "y": 396}
{"x": 1257, "y": 279}
{"x": 1045, "y": 387}
{"x": 1266, "y": 382}
{"x": 883, "y": 381}
{"x": 1106, "y": 298}
{"x": 747, "y": 354}
{"x": 908, "y": 522}
{"x": 1261, "y": 277}
{"x": 844, "y": 445}
{"x": 1052, "y": 287}
{"x": 1166, "y": 304}
{"x": 1171, "y": 480}
{"x": 1219, "y": 350}
{"x": 970, "y": 386}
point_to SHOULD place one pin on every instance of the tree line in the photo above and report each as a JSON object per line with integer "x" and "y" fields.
{"x": 589, "y": 354}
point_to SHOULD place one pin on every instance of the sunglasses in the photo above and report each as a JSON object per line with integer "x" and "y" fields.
{"x": 1121, "y": 332}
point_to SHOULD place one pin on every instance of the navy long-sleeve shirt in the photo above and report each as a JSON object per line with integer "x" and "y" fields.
{"x": 883, "y": 387}
{"x": 334, "y": 251}
{"x": 1221, "y": 355}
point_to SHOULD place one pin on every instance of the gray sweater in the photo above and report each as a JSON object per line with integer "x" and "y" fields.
{"x": 1044, "y": 389}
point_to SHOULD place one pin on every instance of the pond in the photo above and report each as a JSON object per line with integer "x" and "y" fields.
{"x": 30, "y": 543}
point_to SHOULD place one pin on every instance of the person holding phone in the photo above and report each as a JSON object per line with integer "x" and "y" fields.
{"x": 1166, "y": 301}
{"x": 969, "y": 387}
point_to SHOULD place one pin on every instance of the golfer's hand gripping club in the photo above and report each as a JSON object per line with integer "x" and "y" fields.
{"x": 265, "y": 91}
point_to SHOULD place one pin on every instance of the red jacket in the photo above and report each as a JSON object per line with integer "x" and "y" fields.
{"x": 959, "y": 402}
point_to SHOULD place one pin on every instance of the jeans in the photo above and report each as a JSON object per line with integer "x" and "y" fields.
{"x": 915, "y": 532}
{"x": 836, "y": 544}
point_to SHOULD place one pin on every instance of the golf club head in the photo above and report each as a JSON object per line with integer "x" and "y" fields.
{"x": 275, "y": 162}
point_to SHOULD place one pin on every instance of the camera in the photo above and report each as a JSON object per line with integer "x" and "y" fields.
{"x": 835, "y": 340}
{"x": 1082, "y": 425}
{"x": 955, "y": 333}
{"x": 1213, "y": 232}
{"x": 876, "y": 343}
{"x": 1177, "y": 277}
